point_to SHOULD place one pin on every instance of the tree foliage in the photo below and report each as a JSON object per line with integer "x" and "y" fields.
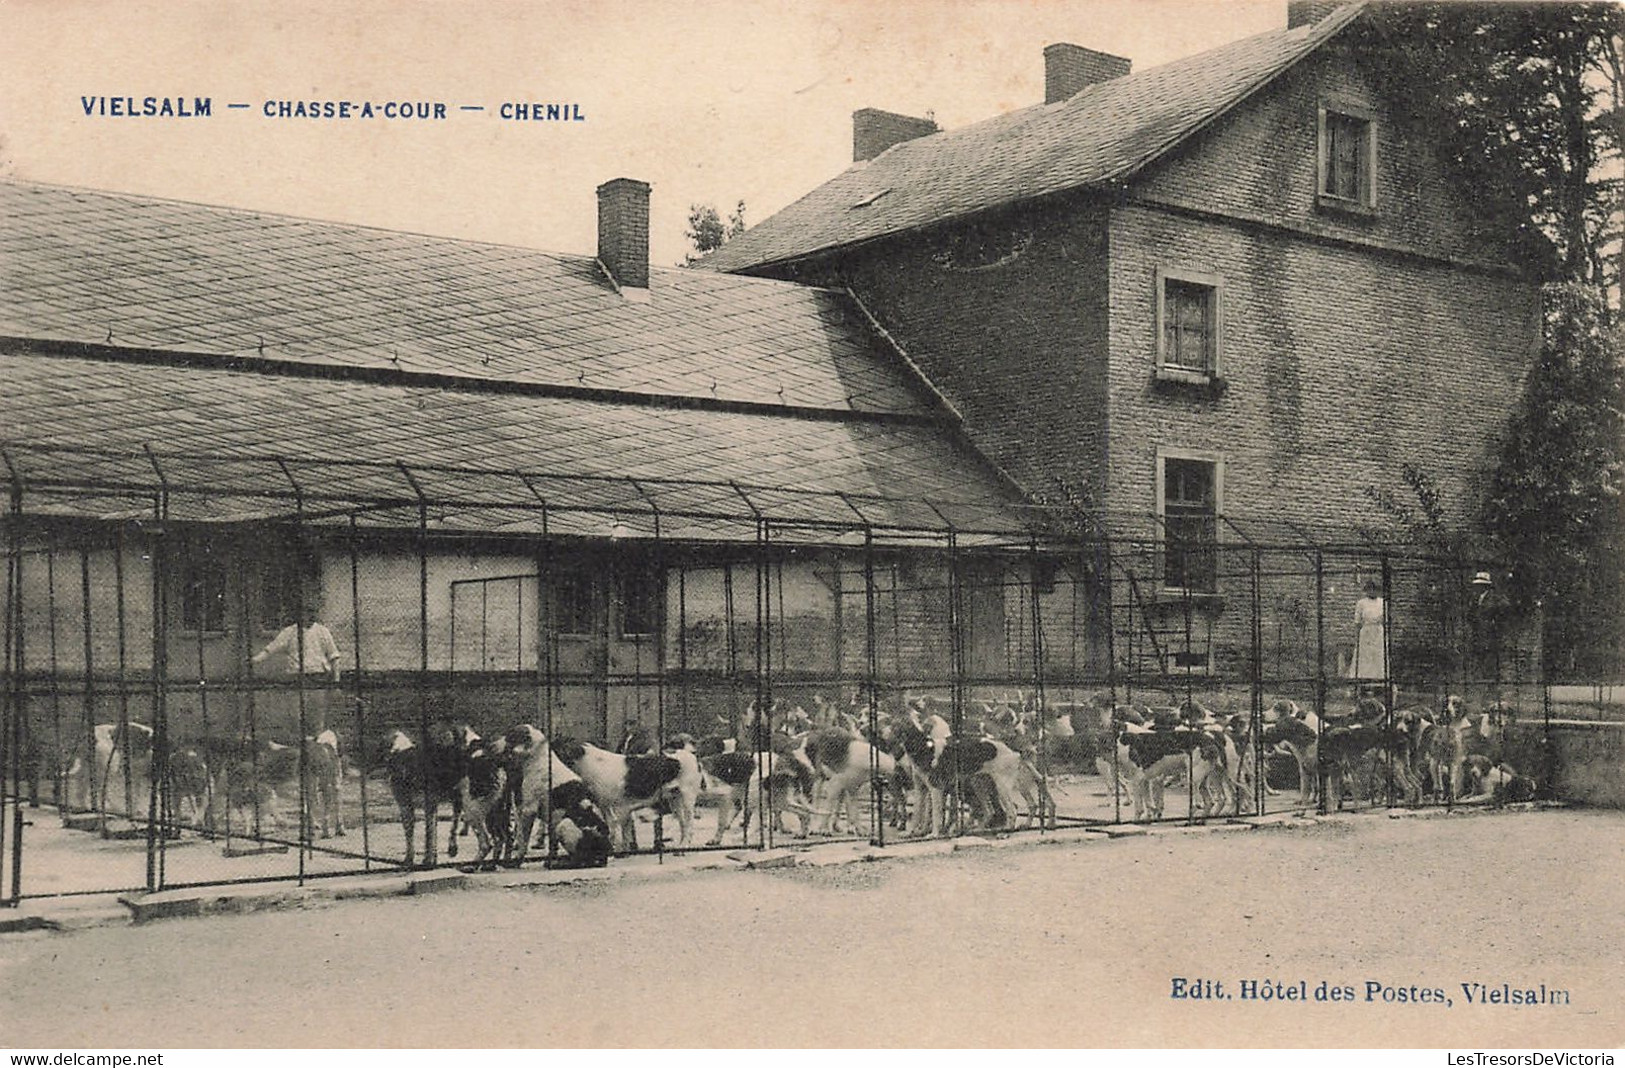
{"x": 707, "y": 231}
{"x": 1526, "y": 101}
{"x": 1556, "y": 502}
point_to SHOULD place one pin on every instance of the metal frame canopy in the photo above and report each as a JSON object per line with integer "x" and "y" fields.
{"x": 74, "y": 481}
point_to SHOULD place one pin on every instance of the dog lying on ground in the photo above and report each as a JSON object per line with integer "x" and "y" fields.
{"x": 623, "y": 784}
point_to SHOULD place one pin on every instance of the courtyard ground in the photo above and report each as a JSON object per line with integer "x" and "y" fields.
{"x": 1060, "y": 944}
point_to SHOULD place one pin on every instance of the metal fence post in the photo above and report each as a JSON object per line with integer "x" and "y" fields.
{"x": 123, "y": 674}
{"x": 1044, "y": 802}
{"x": 1389, "y": 693}
{"x": 957, "y": 666}
{"x": 658, "y": 566}
{"x": 1256, "y": 726}
{"x": 60, "y": 768}
{"x": 11, "y": 723}
{"x": 158, "y": 766}
{"x": 431, "y": 806}
{"x": 763, "y": 725}
{"x": 547, "y": 644}
{"x": 764, "y": 644}
{"x": 363, "y": 743}
{"x": 1105, "y": 565}
{"x": 1320, "y": 677}
{"x": 95, "y": 786}
{"x": 871, "y": 653}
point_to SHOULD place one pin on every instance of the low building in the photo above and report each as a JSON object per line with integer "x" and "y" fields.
{"x": 514, "y": 485}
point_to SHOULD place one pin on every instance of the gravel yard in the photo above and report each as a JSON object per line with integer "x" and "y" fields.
{"x": 1074, "y": 945}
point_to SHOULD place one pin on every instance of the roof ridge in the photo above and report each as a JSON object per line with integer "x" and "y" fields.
{"x": 342, "y": 224}
{"x": 236, "y": 210}
{"x": 1318, "y": 33}
{"x": 142, "y": 272}
{"x": 1109, "y": 84}
{"x": 1095, "y": 88}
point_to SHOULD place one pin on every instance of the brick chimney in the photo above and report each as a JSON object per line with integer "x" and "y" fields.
{"x": 874, "y": 131}
{"x": 1308, "y": 12}
{"x": 623, "y": 235}
{"x": 1069, "y": 68}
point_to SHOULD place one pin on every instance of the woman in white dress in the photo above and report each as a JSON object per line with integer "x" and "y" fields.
{"x": 1370, "y": 660}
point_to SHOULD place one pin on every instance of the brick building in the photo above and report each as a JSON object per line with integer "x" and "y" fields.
{"x": 1219, "y": 300}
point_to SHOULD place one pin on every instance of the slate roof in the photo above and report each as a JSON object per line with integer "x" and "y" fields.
{"x": 129, "y": 350}
{"x": 238, "y": 445}
{"x": 144, "y": 273}
{"x": 1105, "y": 133}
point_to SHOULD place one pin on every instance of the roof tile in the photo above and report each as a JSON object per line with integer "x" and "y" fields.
{"x": 138, "y": 272}
{"x": 214, "y": 418}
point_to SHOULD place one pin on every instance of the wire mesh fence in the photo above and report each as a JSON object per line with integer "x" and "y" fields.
{"x": 260, "y": 669}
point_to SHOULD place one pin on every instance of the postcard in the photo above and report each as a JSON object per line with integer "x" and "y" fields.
{"x": 782, "y": 525}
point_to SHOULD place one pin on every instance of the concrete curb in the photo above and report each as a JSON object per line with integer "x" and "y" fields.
{"x": 1200, "y": 828}
{"x": 1123, "y": 830}
{"x": 104, "y": 910}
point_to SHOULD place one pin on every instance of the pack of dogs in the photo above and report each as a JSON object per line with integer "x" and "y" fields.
{"x": 839, "y": 768}
{"x": 218, "y": 782}
{"x": 1359, "y": 754}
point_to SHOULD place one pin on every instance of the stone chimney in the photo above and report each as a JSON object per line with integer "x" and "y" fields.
{"x": 874, "y": 131}
{"x": 623, "y": 235}
{"x": 1069, "y": 68}
{"x": 1308, "y": 12}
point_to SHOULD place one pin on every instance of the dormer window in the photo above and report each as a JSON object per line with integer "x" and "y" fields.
{"x": 1348, "y": 159}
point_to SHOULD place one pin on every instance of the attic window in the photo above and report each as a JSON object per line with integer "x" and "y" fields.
{"x": 1348, "y": 158}
{"x": 870, "y": 199}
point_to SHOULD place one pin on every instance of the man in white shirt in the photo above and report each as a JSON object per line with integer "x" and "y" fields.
{"x": 321, "y": 653}
{"x": 321, "y": 658}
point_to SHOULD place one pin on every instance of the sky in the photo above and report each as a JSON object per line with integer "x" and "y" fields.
{"x": 712, "y": 101}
